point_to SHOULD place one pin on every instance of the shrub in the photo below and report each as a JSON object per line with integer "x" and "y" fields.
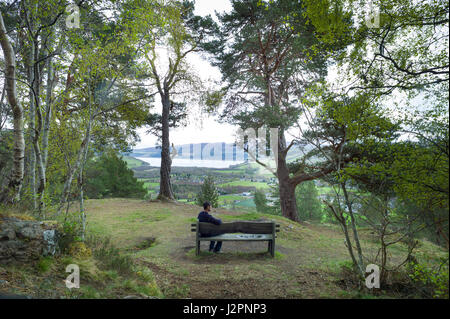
{"x": 70, "y": 231}
{"x": 431, "y": 281}
{"x": 109, "y": 176}
{"x": 44, "y": 264}
{"x": 79, "y": 250}
{"x": 110, "y": 256}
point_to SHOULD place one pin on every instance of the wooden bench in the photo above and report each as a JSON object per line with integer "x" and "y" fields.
{"x": 236, "y": 231}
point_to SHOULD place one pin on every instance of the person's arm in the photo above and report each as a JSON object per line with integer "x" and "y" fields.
{"x": 214, "y": 220}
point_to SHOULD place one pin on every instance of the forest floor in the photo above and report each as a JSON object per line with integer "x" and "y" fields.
{"x": 157, "y": 239}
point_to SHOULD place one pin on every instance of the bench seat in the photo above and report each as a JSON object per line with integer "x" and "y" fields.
{"x": 236, "y": 231}
{"x": 236, "y": 237}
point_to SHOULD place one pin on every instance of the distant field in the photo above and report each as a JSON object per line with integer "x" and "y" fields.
{"x": 148, "y": 184}
{"x": 246, "y": 183}
{"x": 248, "y": 202}
{"x": 229, "y": 198}
{"x": 231, "y": 171}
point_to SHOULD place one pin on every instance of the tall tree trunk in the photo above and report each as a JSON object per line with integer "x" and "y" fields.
{"x": 37, "y": 130}
{"x": 32, "y": 128}
{"x": 12, "y": 192}
{"x": 288, "y": 201}
{"x": 48, "y": 109}
{"x": 81, "y": 186}
{"x": 165, "y": 185}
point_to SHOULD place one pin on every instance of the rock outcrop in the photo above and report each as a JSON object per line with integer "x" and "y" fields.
{"x": 26, "y": 240}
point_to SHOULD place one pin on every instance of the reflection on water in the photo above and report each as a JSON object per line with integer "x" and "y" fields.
{"x": 184, "y": 162}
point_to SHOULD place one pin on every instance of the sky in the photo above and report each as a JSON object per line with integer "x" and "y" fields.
{"x": 201, "y": 127}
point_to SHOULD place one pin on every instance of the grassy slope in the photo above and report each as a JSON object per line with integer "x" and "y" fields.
{"x": 133, "y": 162}
{"x": 306, "y": 263}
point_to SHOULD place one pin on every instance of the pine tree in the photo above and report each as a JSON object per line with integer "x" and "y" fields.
{"x": 208, "y": 192}
{"x": 261, "y": 201}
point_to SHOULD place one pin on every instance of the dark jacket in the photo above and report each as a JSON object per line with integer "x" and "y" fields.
{"x": 204, "y": 217}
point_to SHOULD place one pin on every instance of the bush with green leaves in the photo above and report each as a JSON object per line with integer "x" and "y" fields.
{"x": 208, "y": 193}
{"x": 433, "y": 282}
{"x": 71, "y": 229}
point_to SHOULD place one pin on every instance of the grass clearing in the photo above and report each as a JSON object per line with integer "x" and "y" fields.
{"x": 306, "y": 265}
{"x": 151, "y": 253}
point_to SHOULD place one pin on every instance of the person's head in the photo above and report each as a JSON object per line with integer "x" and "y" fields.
{"x": 206, "y": 206}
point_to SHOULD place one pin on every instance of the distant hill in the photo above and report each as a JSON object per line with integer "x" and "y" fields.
{"x": 197, "y": 151}
{"x": 213, "y": 151}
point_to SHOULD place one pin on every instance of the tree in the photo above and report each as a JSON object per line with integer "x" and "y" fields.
{"x": 267, "y": 66}
{"x": 11, "y": 193}
{"x": 102, "y": 103}
{"x": 407, "y": 52}
{"x": 109, "y": 176}
{"x": 343, "y": 131}
{"x": 38, "y": 27}
{"x": 208, "y": 193}
{"x": 166, "y": 26}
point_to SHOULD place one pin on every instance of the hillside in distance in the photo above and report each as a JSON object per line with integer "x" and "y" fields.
{"x": 211, "y": 151}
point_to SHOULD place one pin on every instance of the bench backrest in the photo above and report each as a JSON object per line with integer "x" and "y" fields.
{"x": 246, "y": 227}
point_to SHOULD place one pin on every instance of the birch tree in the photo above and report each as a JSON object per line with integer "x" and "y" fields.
{"x": 11, "y": 192}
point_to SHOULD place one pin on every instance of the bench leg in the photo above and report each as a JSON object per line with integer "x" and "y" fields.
{"x": 272, "y": 248}
{"x": 197, "y": 248}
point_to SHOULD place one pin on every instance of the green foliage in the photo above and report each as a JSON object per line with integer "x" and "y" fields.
{"x": 261, "y": 201}
{"x": 272, "y": 44}
{"x": 434, "y": 281}
{"x": 6, "y": 148}
{"x": 109, "y": 176}
{"x": 208, "y": 192}
{"x": 274, "y": 206}
{"x": 71, "y": 230}
{"x": 309, "y": 206}
{"x": 44, "y": 264}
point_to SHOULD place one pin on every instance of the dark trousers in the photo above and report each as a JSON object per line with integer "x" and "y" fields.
{"x": 218, "y": 246}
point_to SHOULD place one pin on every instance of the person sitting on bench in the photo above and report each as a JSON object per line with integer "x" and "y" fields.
{"x": 205, "y": 217}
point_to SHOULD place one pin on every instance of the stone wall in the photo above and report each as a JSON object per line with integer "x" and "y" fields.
{"x": 25, "y": 240}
